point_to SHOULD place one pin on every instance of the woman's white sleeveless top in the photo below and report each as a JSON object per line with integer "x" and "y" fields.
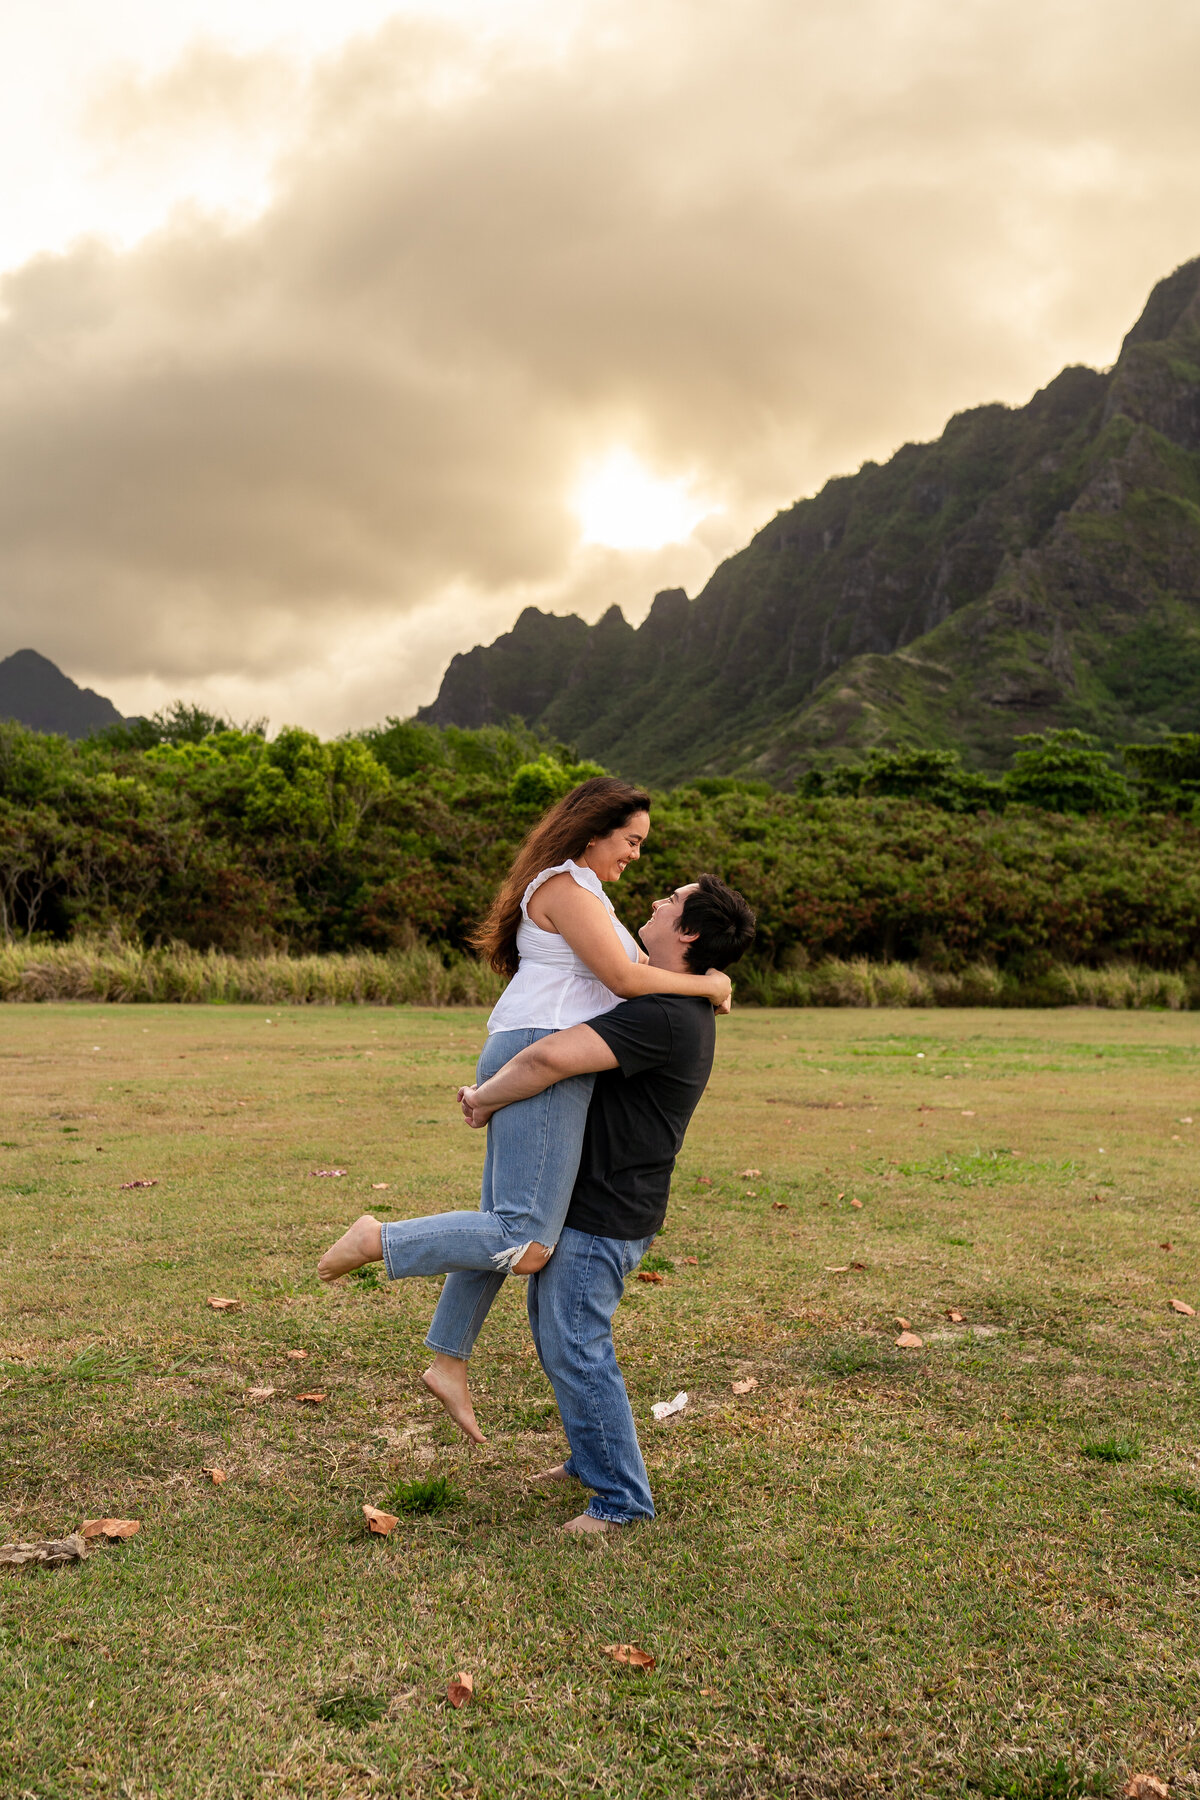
{"x": 553, "y": 988}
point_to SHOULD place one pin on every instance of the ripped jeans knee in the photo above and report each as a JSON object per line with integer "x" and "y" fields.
{"x": 523, "y": 1259}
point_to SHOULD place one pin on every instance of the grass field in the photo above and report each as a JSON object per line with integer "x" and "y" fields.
{"x": 972, "y": 1567}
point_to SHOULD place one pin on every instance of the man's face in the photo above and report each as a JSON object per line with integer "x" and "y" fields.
{"x": 663, "y": 922}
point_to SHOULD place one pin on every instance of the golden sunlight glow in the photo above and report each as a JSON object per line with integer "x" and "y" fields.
{"x": 621, "y": 505}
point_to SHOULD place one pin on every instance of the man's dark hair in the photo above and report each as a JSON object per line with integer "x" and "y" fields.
{"x": 724, "y": 924}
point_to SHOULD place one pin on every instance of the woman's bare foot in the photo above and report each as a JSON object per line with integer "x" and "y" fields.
{"x": 446, "y": 1379}
{"x": 363, "y": 1243}
{"x": 557, "y": 1473}
{"x": 585, "y": 1524}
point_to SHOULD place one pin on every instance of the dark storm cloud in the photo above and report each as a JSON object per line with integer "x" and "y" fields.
{"x": 753, "y": 243}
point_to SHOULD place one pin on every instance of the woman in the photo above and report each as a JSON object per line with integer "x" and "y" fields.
{"x": 552, "y": 929}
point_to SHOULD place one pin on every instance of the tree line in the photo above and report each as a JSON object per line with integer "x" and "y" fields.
{"x": 188, "y": 829}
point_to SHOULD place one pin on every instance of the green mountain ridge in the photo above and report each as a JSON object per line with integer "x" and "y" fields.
{"x": 1036, "y": 567}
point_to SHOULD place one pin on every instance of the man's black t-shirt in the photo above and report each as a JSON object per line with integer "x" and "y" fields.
{"x": 640, "y": 1110}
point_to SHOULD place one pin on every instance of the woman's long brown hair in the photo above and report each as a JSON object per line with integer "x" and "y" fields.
{"x": 589, "y": 811}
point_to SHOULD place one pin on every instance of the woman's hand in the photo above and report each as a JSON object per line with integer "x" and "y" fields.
{"x": 476, "y": 1116}
{"x": 721, "y": 990}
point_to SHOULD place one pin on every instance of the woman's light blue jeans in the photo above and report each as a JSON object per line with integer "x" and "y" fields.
{"x": 529, "y": 1171}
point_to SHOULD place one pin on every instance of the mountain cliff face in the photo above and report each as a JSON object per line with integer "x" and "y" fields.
{"x": 35, "y": 691}
{"x": 1035, "y": 567}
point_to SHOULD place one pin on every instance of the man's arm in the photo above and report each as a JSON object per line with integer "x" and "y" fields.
{"x": 578, "y": 1051}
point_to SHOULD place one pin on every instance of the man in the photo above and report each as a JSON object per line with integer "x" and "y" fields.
{"x": 652, "y": 1058}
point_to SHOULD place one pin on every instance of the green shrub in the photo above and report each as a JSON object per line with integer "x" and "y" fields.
{"x": 1042, "y": 1779}
{"x": 213, "y": 842}
{"x": 352, "y": 1708}
{"x": 654, "y": 1264}
{"x": 1186, "y": 1498}
{"x": 428, "y": 1494}
{"x": 1111, "y": 1448}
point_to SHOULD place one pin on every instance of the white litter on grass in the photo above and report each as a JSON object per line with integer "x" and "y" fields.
{"x": 663, "y": 1409}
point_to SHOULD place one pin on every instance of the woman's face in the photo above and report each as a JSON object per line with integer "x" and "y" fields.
{"x": 608, "y": 855}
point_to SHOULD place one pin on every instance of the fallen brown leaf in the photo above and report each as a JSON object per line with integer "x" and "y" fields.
{"x": 858, "y": 1265}
{"x": 139, "y": 1184}
{"x": 49, "y": 1553}
{"x": 459, "y": 1691}
{"x": 955, "y": 1317}
{"x": 216, "y": 1476}
{"x": 908, "y": 1340}
{"x": 694, "y": 1261}
{"x": 313, "y": 1399}
{"x": 857, "y": 1203}
{"x": 630, "y": 1655}
{"x": 704, "y": 1180}
{"x": 779, "y": 1206}
{"x": 332, "y": 1172}
{"x": 109, "y": 1528}
{"x": 379, "y": 1522}
{"x": 380, "y": 1187}
{"x": 904, "y": 1324}
{"x": 219, "y": 1304}
{"x": 748, "y": 1174}
{"x": 295, "y": 1355}
{"x": 260, "y": 1393}
{"x": 745, "y": 1387}
{"x": 837, "y": 1268}
{"x": 1166, "y": 1246}
{"x": 1181, "y": 1306}
{"x": 650, "y": 1275}
{"x": 1145, "y": 1787}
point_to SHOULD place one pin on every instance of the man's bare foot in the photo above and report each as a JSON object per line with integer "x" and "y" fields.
{"x": 446, "y": 1379}
{"x": 585, "y": 1524}
{"x": 363, "y": 1243}
{"x": 557, "y": 1473}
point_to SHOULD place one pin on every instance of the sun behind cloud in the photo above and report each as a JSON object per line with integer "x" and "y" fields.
{"x": 620, "y": 504}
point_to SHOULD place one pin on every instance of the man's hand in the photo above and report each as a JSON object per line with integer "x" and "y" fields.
{"x": 476, "y": 1115}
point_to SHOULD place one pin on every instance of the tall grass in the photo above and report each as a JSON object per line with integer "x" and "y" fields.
{"x": 858, "y": 982}
{"x": 110, "y": 970}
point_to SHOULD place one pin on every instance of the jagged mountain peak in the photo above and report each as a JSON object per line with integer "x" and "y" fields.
{"x": 1033, "y": 567}
{"x": 1170, "y": 300}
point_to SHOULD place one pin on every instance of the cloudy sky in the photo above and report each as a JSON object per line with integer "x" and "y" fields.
{"x": 332, "y": 335}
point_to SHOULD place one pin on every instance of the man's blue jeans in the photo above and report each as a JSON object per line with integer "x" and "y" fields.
{"x": 571, "y": 1306}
